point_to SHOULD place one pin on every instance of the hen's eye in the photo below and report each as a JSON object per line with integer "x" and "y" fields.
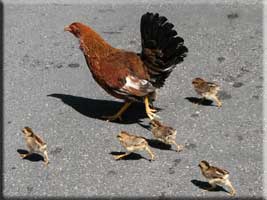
{"x": 77, "y": 32}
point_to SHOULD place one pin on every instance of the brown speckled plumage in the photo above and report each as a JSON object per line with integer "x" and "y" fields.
{"x": 216, "y": 175}
{"x": 162, "y": 49}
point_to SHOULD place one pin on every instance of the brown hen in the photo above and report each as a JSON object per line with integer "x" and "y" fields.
{"x": 128, "y": 75}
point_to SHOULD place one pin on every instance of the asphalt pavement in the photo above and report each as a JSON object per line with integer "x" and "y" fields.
{"x": 48, "y": 87}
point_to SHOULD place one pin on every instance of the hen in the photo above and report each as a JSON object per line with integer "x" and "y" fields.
{"x": 128, "y": 75}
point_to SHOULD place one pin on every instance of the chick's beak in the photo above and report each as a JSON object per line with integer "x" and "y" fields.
{"x": 67, "y": 28}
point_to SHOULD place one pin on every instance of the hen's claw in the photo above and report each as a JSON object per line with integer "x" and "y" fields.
{"x": 150, "y": 111}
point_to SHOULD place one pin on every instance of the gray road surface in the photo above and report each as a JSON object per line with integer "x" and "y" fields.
{"x": 48, "y": 87}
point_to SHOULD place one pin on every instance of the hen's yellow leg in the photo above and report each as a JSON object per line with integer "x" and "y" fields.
{"x": 150, "y": 112}
{"x": 119, "y": 113}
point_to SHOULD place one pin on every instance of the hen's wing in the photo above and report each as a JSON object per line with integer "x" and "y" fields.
{"x": 124, "y": 73}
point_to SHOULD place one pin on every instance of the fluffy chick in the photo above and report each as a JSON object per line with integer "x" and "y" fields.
{"x": 165, "y": 134}
{"x": 34, "y": 144}
{"x": 207, "y": 90}
{"x": 215, "y": 176}
{"x": 133, "y": 143}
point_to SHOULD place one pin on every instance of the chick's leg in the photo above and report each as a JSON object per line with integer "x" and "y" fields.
{"x": 179, "y": 147}
{"x": 217, "y": 100}
{"x": 212, "y": 183}
{"x": 46, "y": 157}
{"x": 117, "y": 157}
{"x": 149, "y": 111}
{"x": 228, "y": 184}
{"x": 119, "y": 113}
{"x": 152, "y": 156}
{"x": 24, "y": 155}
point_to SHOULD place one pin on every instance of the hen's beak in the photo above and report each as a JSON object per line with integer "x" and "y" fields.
{"x": 67, "y": 28}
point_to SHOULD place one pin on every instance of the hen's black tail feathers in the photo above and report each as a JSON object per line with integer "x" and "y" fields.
{"x": 162, "y": 49}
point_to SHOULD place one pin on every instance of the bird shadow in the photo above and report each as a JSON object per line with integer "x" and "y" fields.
{"x": 34, "y": 157}
{"x": 205, "y": 185}
{"x": 147, "y": 127}
{"x": 159, "y": 145}
{"x": 200, "y": 101}
{"x": 95, "y": 108}
{"x": 131, "y": 156}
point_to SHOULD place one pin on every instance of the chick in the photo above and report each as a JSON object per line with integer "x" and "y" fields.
{"x": 133, "y": 143}
{"x": 207, "y": 90}
{"x": 165, "y": 134}
{"x": 34, "y": 143}
{"x": 215, "y": 176}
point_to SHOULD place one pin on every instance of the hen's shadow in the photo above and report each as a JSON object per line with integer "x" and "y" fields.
{"x": 205, "y": 185}
{"x": 95, "y": 108}
{"x": 131, "y": 156}
{"x": 195, "y": 100}
{"x": 34, "y": 157}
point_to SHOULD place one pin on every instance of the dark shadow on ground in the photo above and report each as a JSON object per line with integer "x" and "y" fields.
{"x": 34, "y": 157}
{"x": 131, "y": 156}
{"x": 197, "y": 101}
{"x": 205, "y": 185}
{"x": 159, "y": 145}
{"x": 147, "y": 127}
{"x": 95, "y": 108}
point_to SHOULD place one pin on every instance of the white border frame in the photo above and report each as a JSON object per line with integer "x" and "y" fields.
{"x": 265, "y": 99}
{"x": 248, "y": 2}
